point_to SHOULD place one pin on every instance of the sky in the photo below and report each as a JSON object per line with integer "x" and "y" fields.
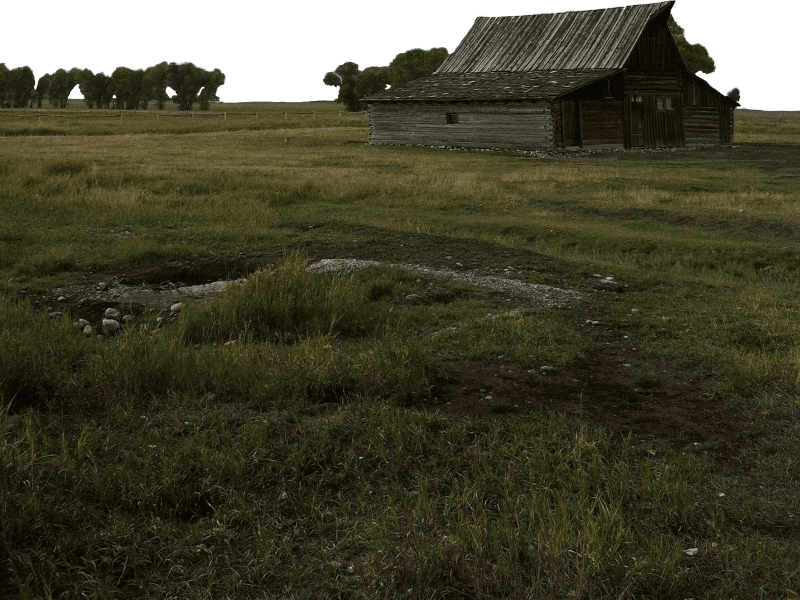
{"x": 280, "y": 51}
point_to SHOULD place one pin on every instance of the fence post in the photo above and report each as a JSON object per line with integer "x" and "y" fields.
{"x": 313, "y": 114}
{"x": 225, "y": 116}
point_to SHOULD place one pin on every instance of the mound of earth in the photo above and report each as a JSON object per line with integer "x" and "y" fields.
{"x": 616, "y": 386}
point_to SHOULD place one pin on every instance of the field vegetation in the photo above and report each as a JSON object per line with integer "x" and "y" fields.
{"x": 289, "y": 438}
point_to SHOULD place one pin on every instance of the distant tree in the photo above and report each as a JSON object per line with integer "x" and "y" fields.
{"x": 42, "y": 89}
{"x": 126, "y": 87}
{"x": 61, "y": 86}
{"x": 414, "y": 64}
{"x": 96, "y": 89}
{"x": 734, "y": 94}
{"x": 20, "y": 87}
{"x": 694, "y": 55}
{"x": 86, "y": 85}
{"x": 354, "y": 84}
{"x": 3, "y": 83}
{"x": 211, "y": 81}
{"x": 371, "y": 80}
{"x": 187, "y": 81}
{"x": 154, "y": 85}
{"x": 345, "y": 78}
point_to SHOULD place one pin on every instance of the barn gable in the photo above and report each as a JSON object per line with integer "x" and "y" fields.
{"x": 601, "y": 78}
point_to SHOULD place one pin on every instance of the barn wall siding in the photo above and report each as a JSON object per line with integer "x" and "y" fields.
{"x": 702, "y": 125}
{"x": 601, "y": 123}
{"x": 518, "y": 125}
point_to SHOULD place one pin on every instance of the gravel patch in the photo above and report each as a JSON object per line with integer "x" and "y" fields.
{"x": 534, "y": 295}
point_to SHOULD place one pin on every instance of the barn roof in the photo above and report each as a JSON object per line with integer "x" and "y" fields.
{"x": 493, "y": 86}
{"x": 592, "y": 39}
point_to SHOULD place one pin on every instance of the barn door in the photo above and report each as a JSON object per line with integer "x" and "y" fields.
{"x": 637, "y": 121}
{"x": 571, "y": 114}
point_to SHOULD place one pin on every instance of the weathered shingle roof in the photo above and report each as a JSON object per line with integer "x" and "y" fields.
{"x": 593, "y": 39}
{"x": 494, "y": 86}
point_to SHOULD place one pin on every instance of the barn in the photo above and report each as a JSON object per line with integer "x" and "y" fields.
{"x": 610, "y": 78}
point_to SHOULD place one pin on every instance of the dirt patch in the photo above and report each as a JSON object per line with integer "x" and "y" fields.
{"x": 617, "y": 386}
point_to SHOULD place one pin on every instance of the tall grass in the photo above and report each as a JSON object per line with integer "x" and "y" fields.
{"x": 274, "y": 441}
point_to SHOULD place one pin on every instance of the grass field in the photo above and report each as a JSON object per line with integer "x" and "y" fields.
{"x": 292, "y": 438}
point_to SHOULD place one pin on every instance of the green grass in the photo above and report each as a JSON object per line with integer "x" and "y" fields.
{"x": 274, "y": 442}
{"x": 77, "y": 120}
{"x": 771, "y": 127}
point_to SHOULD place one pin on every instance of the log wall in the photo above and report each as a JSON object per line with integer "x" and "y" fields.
{"x": 702, "y": 125}
{"x": 601, "y": 123}
{"x": 508, "y": 125}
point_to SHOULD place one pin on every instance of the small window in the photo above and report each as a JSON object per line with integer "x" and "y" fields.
{"x": 452, "y": 118}
{"x": 664, "y": 103}
{"x": 638, "y": 98}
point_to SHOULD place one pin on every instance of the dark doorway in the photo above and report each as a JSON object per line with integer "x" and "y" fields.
{"x": 571, "y": 114}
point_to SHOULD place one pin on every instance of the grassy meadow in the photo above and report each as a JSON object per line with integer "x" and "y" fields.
{"x": 275, "y": 442}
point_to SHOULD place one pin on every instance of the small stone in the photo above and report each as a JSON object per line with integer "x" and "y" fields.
{"x": 55, "y": 315}
{"x": 88, "y": 330}
{"x": 110, "y": 326}
{"x": 635, "y": 311}
{"x": 547, "y": 369}
{"x": 101, "y": 286}
{"x": 61, "y": 298}
{"x": 127, "y": 319}
{"x": 176, "y": 307}
{"x": 81, "y": 323}
{"x": 112, "y": 313}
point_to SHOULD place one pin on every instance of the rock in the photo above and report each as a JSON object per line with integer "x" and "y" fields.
{"x": 176, "y": 307}
{"x": 88, "y": 330}
{"x": 110, "y": 326}
{"x": 127, "y": 319}
{"x": 61, "y": 298}
{"x": 547, "y": 369}
{"x": 112, "y": 313}
{"x": 55, "y": 315}
{"x": 81, "y": 323}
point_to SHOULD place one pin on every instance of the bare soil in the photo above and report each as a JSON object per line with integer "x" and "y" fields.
{"x": 617, "y": 386}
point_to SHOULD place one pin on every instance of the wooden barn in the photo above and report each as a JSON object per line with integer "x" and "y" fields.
{"x": 610, "y": 78}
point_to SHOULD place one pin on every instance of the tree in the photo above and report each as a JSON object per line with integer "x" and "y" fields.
{"x": 96, "y": 90}
{"x": 345, "y": 77}
{"x": 734, "y": 94}
{"x": 3, "y": 83}
{"x": 185, "y": 79}
{"x": 354, "y": 84}
{"x": 61, "y": 86}
{"x": 211, "y": 82}
{"x": 126, "y": 87}
{"x": 42, "y": 89}
{"x": 20, "y": 87}
{"x": 371, "y": 80}
{"x": 694, "y": 55}
{"x": 154, "y": 85}
{"x": 414, "y": 64}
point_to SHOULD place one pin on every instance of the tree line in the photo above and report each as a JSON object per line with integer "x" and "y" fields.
{"x": 125, "y": 89}
{"x": 355, "y": 84}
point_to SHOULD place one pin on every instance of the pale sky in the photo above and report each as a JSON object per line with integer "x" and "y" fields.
{"x": 280, "y": 51}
